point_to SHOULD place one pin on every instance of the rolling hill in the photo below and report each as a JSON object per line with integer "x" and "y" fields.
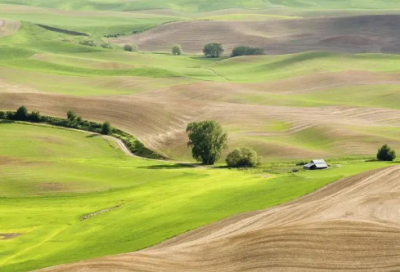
{"x": 352, "y": 34}
{"x": 326, "y": 87}
{"x": 346, "y": 226}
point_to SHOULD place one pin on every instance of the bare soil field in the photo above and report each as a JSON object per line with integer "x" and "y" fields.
{"x": 159, "y": 117}
{"x": 349, "y": 225}
{"x": 8, "y": 27}
{"x": 354, "y": 34}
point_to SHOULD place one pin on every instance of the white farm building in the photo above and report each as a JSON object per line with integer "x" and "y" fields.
{"x": 316, "y": 165}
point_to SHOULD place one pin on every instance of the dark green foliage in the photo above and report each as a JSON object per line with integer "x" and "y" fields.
{"x": 246, "y": 50}
{"x": 73, "y": 121}
{"x": 35, "y": 116}
{"x": 71, "y": 115}
{"x": 106, "y": 128}
{"x": 177, "y": 50}
{"x": 63, "y": 31}
{"x": 213, "y": 50}
{"x": 21, "y": 114}
{"x": 207, "y": 140}
{"x": 242, "y": 157}
{"x": 131, "y": 47}
{"x": 3, "y": 115}
{"x": 385, "y": 153}
{"x": 88, "y": 42}
{"x": 106, "y": 45}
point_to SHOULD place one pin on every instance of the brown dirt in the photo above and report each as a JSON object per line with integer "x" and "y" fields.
{"x": 340, "y": 34}
{"x": 159, "y": 117}
{"x": 9, "y": 236}
{"x": 8, "y": 27}
{"x": 352, "y": 224}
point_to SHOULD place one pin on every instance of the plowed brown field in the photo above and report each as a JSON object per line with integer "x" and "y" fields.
{"x": 350, "y": 225}
{"x": 159, "y": 117}
{"x": 342, "y": 34}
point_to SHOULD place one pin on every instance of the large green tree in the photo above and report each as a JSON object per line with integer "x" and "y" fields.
{"x": 385, "y": 153}
{"x": 213, "y": 50}
{"x": 207, "y": 140}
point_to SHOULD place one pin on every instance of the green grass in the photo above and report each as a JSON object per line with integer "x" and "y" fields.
{"x": 51, "y": 177}
{"x": 96, "y": 24}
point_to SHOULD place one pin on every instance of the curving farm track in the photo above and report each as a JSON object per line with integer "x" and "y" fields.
{"x": 350, "y": 225}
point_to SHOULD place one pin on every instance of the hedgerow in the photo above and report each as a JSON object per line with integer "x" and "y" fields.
{"x": 134, "y": 145}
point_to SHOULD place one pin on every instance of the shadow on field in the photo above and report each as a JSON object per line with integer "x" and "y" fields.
{"x": 171, "y": 166}
{"x": 6, "y": 122}
{"x": 92, "y": 135}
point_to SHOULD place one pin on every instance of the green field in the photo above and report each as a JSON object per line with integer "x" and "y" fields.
{"x": 52, "y": 177}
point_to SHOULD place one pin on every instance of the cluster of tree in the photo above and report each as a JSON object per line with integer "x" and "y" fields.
{"x": 215, "y": 50}
{"x": 77, "y": 122}
{"x": 93, "y": 43}
{"x": 207, "y": 140}
{"x": 246, "y": 51}
{"x": 131, "y": 47}
{"x": 385, "y": 153}
{"x": 116, "y": 35}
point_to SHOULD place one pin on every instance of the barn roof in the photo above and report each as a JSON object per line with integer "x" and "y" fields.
{"x": 320, "y": 163}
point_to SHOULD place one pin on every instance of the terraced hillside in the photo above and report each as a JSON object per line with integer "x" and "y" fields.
{"x": 350, "y": 225}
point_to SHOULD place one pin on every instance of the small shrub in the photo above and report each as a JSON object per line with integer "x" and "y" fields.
{"x": 213, "y": 50}
{"x": 246, "y": 50}
{"x": 131, "y": 47}
{"x": 106, "y": 45}
{"x": 177, "y": 50}
{"x": 242, "y": 157}
{"x": 88, "y": 42}
{"x": 106, "y": 128}
{"x": 385, "y": 153}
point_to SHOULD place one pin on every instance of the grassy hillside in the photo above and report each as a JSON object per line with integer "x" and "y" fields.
{"x": 52, "y": 178}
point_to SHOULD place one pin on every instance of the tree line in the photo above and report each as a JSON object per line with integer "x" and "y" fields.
{"x": 72, "y": 120}
{"x": 211, "y": 50}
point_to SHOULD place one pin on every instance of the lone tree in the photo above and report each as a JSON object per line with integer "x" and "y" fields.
{"x": 131, "y": 47}
{"x": 385, "y": 153}
{"x": 207, "y": 140}
{"x": 213, "y": 50}
{"x": 177, "y": 50}
{"x": 242, "y": 157}
{"x": 106, "y": 128}
{"x": 22, "y": 113}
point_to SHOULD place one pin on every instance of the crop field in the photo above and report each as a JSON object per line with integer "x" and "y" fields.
{"x": 68, "y": 196}
{"x": 326, "y": 87}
